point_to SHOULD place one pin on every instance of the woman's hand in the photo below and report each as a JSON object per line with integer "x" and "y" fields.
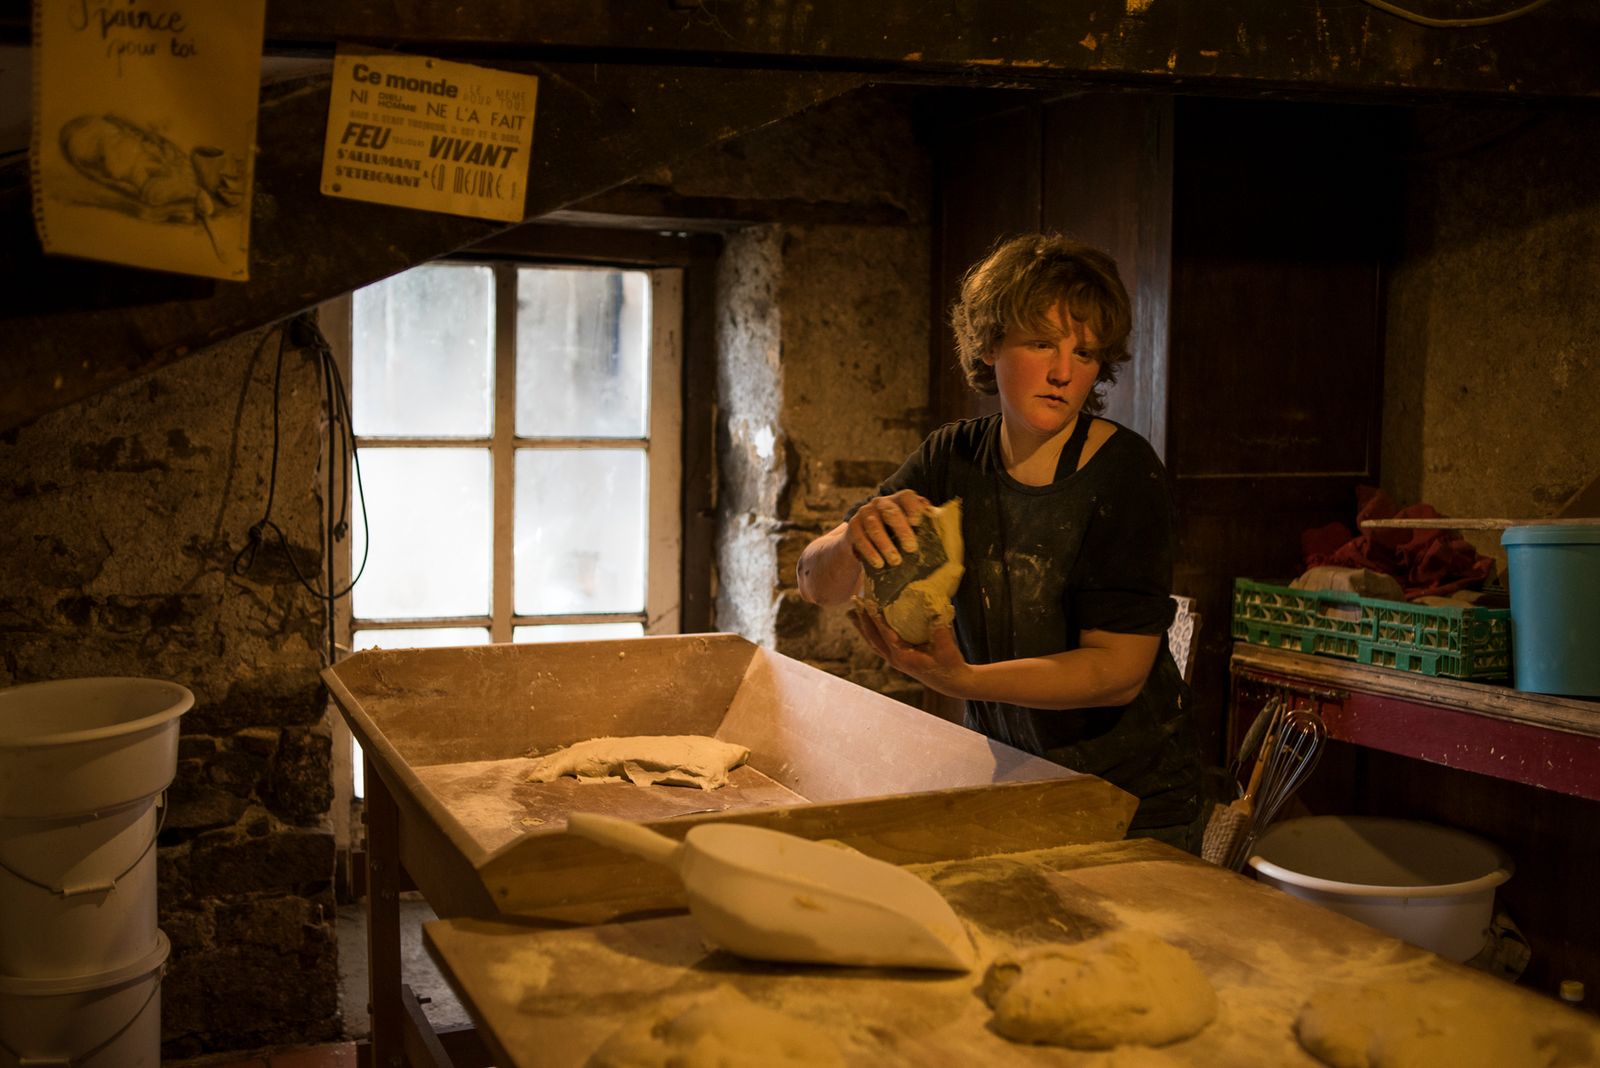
{"x": 883, "y": 527}
{"x": 938, "y": 665}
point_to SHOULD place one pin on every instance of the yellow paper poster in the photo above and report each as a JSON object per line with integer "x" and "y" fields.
{"x": 144, "y": 130}
{"x": 426, "y": 133}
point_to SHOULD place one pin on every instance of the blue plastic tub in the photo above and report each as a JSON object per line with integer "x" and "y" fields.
{"x": 1555, "y": 608}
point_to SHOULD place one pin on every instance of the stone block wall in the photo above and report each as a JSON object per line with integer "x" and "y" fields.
{"x": 1492, "y": 373}
{"x": 855, "y": 360}
{"x": 120, "y": 520}
{"x": 823, "y": 341}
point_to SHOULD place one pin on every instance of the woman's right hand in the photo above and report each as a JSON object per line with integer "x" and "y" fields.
{"x": 883, "y": 527}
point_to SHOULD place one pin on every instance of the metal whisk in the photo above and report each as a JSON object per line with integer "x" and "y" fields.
{"x": 1290, "y": 751}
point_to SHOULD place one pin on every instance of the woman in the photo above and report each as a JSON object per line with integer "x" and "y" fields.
{"x": 1058, "y": 646}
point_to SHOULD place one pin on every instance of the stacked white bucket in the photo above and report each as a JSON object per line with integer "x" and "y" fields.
{"x": 83, "y": 766}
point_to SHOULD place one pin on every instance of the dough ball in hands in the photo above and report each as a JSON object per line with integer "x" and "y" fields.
{"x": 724, "y": 1029}
{"x": 914, "y": 596}
{"x": 1122, "y": 988}
{"x": 1417, "y": 1023}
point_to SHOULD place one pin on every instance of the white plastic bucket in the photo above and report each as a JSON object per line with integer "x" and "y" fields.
{"x": 78, "y": 895}
{"x": 82, "y": 762}
{"x": 1431, "y": 886}
{"x": 108, "y": 1020}
{"x": 75, "y": 746}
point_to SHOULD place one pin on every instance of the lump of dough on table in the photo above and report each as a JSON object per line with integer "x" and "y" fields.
{"x": 669, "y": 759}
{"x": 724, "y": 1029}
{"x": 1121, "y": 988}
{"x": 1418, "y": 1022}
{"x": 914, "y": 595}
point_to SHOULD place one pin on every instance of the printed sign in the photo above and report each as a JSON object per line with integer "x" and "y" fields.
{"x": 430, "y": 134}
{"x": 144, "y": 129}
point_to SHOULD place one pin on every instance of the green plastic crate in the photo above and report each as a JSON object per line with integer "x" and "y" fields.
{"x": 1463, "y": 643}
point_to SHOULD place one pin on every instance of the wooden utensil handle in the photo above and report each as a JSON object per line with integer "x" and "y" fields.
{"x": 1271, "y": 739}
{"x": 625, "y": 835}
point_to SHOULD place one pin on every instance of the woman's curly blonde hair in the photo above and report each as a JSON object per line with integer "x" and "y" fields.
{"x": 1017, "y": 284}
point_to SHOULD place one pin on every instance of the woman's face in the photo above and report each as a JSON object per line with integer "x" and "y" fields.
{"x": 1045, "y": 375}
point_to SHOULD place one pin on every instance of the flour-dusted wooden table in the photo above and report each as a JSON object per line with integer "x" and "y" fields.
{"x": 549, "y": 998}
{"x": 447, "y": 733}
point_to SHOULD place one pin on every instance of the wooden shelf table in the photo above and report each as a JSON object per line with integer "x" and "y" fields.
{"x": 1537, "y": 739}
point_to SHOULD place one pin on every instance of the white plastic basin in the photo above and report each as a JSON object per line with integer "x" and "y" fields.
{"x": 73, "y": 746}
{"x": 1429, "y": 885}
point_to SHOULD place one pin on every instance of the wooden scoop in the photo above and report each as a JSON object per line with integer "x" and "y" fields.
{"x": 774, "y": 896}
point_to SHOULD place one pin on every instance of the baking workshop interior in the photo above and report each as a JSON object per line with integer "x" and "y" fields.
{"x": 719, "y": 532}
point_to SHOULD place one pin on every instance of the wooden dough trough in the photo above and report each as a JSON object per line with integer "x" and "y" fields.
{"x": 449, "y": 732}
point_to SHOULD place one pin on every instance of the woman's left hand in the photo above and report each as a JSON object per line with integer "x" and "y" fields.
{"x": 938, "y": 665}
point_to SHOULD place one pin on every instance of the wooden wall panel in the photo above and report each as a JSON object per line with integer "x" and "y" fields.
{"x": 1253, "y": 236}
{"x": 1282, "y": 222}
{"x": 988, "y": 174}
{"x": 1281, "y": 213}
{"x": 1108, "y": 182}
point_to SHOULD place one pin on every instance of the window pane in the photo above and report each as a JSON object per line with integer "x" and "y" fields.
{"x": 582, "y": 353}
{"x": 580, "y": 531}
{"x": 576, "y": 632}
{"x": 420, "y": 638}
{"x": 430, "y": 518}
{"x": 423, "y": 353}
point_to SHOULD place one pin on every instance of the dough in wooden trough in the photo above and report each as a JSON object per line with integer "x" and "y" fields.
{"x": 725, "y": 1029}
{"x": 914, "y": 595}
{"x": 1121, "y": 988}
{"x": 669, "y": 759}
{"x": 1417, "y": 1023}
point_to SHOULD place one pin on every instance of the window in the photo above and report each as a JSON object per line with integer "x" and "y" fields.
{"x": 518, "y": 428}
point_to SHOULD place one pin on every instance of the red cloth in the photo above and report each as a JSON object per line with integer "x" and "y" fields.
{"x": 1425, "y": 561}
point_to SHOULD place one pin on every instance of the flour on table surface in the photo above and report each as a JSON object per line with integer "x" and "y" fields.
{"x": 496, "y": 804}
{"x": 724, "y": 1029}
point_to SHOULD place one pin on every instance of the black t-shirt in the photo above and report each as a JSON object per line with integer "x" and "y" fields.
{"x": 1090, "y": 551}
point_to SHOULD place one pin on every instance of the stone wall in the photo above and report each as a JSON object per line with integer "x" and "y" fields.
{"x": 823, "y": 389}
{"x": 752, "y": 448}
{"x": 1492, "y": 374}
{"x": 823, "y": 341}
{"x": 855, "y": 405}
{"x": 120, "y": 518}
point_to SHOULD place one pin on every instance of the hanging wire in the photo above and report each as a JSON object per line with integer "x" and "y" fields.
{"x": 342, "y": 460}
{"x": 1454, "y": 23}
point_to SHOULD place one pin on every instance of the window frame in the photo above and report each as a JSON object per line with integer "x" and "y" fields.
{"x": 662, "y": 445}
{"x": 627, "y": 244}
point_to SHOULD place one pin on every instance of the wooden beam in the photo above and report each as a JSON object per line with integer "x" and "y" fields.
{"x": 75, "y": 327}
{"x": 1251, "y": 45}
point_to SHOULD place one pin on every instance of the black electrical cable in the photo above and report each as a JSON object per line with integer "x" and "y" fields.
{"x": 342, "y": 459}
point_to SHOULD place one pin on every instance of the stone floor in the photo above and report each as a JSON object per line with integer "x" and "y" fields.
{"x": 442, "y": 1008}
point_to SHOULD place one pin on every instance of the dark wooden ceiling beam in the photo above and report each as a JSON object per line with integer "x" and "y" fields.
{"x": 1339, "y": 46}
{"x": 75, "y": 327}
